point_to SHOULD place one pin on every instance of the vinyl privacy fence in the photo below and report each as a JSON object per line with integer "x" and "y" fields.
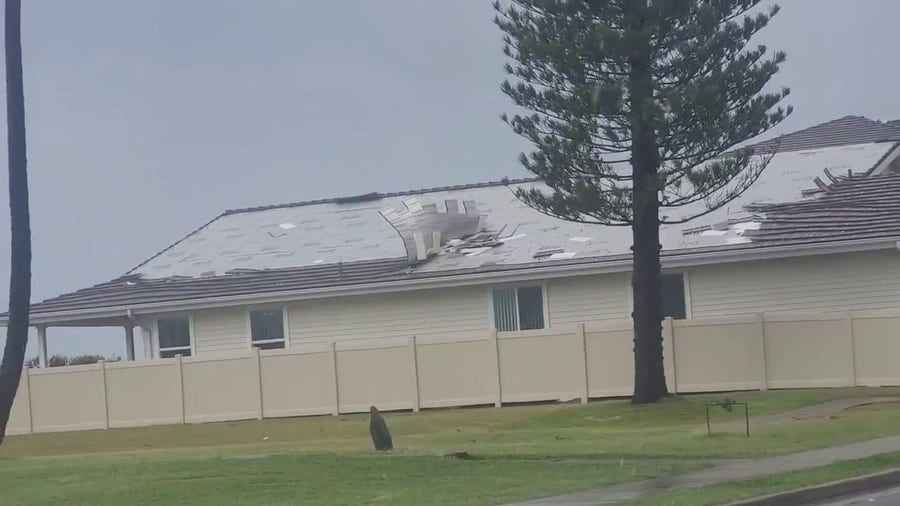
{"x": 593, "y": 360}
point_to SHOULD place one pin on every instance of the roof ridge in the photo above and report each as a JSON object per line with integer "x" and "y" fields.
{"x": 378, "y": 196}
{"x": 843, "y": 131}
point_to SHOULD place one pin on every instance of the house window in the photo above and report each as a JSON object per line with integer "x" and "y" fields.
{"x": 174, "y": 336}
{"x": 673, "y": 296}
{"x": 518, "y": 308}
{"x": 267, "y": 328}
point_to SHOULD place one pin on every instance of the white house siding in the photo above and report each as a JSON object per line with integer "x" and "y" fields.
{"x": 808, "y": 284}
{"x": 220, "y": 330}
{"x": 587, "y": 298}
{"x": 390, "y": 315}
{"x": 815, "y": 283}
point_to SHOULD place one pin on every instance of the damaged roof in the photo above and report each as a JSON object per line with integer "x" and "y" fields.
{"x": 346, "y": 241}
{"x": 844, "y": 209}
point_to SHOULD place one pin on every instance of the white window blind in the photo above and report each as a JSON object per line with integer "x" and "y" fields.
{"x": 518, "y": 308}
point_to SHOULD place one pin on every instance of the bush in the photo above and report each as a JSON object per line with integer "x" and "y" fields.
{"x": 62, "y": 360}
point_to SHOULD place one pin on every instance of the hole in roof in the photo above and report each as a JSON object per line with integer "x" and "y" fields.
{"x": 545, "y": 253}
{"x": 366, "y": 197}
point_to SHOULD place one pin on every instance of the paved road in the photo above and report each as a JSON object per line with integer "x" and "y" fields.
{"x": 734, "y": 470}
{"x": 884, "y": 498}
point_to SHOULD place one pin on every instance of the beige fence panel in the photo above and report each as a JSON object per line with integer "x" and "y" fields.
{"x": 143, "y": 393}
{"x": 876, "y": 336}
{"x": 808, "y": 351}
{"x": 456, "y": 371}
{"x": 610, "y": 360}
{"x": 478, "y": 367}
{"x": 67, "y": 398}
{"x": 718, "y": 354}
{"x": 540, "y": 365}
{"x": 221, "y": 388}
{"x": 374, "y": 372}
{"x": 20, "y": 416}
{"x": 297, "y": 381}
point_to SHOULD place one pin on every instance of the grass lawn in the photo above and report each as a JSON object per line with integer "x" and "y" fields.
{"x": 518, "y": 452}
{"x": 735, "y": 491}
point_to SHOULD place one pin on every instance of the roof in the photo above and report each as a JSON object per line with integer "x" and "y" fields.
{"x": 336, "y": 230}
{"x": 845, "y": 209}
{"x": 839, "y": 132}
{"x": 341, "y": 242}
{"x": 135, "y": 290}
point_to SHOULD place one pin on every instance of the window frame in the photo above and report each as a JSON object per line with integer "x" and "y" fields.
{"x": 284, "y": 323}
{"x": 157, "y": 350}
{"x": 686, "y": 281}
{"x": 545, "y": 304}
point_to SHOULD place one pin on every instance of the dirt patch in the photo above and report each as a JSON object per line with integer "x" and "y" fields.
{"x": 837, "y": 408}
{"x": 825, "y": 409}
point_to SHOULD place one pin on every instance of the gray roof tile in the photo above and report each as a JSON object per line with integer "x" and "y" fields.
{"x": 839, "y": 132}
{"x": 847, "y": 209}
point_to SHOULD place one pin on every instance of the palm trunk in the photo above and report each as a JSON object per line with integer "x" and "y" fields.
{"x": 20, "y": 245}
{"x": 649, "y": 374}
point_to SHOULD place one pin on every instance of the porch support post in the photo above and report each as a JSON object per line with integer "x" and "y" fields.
{"x": 42, "y": 345}
{"x": 129, "y": 342}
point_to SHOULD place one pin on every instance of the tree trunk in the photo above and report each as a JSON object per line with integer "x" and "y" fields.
{"x": 649, "y": 373}
{"x": 20, "y": 244}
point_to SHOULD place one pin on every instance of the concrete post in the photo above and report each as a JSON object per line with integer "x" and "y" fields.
{"x": 42, "y": 345}
{"x": 129, "y": 343}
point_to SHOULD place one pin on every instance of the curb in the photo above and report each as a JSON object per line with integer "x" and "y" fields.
{"x": 833, "y": 490}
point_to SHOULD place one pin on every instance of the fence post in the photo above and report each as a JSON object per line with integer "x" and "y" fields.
{"x": 851, "y": 341}
{"x": 583, "y": 366}
{"x": 102, "y": 368}
{"x": 27, "y": 379}
{"x": 669, "y": 353}
{"x": 414, "y": 359}
{"x": 334, "y": 380}
{"x": 179, "y": 373}
{"x": 763, "y": 367}
{"x": 259, "y": 391}
{"x": 495, "y": 348}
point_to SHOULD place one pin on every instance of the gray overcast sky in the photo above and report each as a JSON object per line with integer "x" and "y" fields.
{"x": 148, "y": 118}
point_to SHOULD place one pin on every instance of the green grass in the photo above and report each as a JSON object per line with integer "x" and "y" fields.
{"x": 518, "y": 452}
{"x": 735, "y": 491}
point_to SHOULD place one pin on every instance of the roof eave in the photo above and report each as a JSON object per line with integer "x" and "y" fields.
{"x": 669, "y": 260}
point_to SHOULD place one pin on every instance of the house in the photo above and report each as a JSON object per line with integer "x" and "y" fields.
{"x": 817, "y": 232}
